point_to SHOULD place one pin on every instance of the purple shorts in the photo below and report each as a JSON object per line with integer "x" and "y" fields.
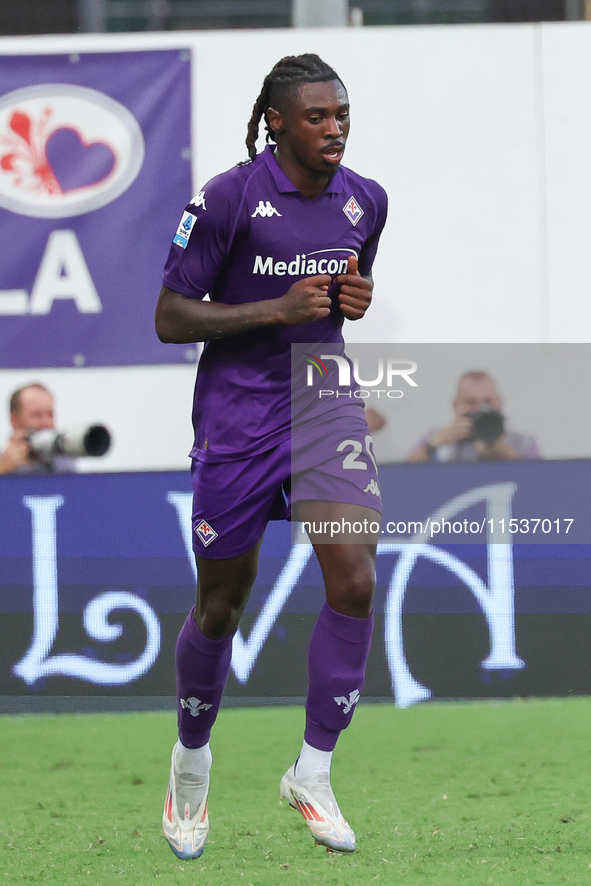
{"x": 234, "y": 500}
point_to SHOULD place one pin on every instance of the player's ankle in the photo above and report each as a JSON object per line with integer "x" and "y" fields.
{"x": 197, "y": 761}
{"x": 312, "y": 761}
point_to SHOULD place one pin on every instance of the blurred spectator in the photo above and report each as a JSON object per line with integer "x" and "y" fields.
{"x": 375, "y": 420}
{"x": 31, "y": 409}
{"x": 477, "y": 432}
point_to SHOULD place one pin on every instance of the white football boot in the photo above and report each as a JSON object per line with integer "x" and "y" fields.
{"x": 313, "y": 797}
{"x": 185, "y": 821}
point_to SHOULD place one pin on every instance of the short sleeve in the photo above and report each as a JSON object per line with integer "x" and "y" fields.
{"x": 370, "y": 247}
{"x": 202, "y": 240}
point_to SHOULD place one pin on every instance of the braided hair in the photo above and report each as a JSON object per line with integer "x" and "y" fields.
{"x": 284, "y": 80}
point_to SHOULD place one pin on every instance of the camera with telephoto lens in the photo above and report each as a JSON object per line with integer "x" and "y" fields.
{"x": 75, "y": 442}
{"x": 487, "y": 424}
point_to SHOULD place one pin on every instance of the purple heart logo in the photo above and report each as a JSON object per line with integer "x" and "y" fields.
{"x": 76, "y": 164}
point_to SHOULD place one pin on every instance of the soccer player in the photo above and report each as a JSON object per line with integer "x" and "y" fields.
{"x": 283, "y": 244}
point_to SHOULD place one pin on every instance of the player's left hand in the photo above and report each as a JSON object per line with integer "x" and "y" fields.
{"x": 355, "y": 293}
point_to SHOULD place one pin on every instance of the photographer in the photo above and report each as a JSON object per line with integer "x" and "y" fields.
{"x": 477, "y": 432}
{"x": 31, "y": 409}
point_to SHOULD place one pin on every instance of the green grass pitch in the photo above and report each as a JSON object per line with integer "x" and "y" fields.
{"x": 440, "y": 793}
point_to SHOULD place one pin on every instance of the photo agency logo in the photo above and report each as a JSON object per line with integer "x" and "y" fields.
{"x": 56, "y": 160}
{"x": 361, "y": 377}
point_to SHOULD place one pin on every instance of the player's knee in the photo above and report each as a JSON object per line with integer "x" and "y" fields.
{"x": 353, "y": 594}
{"x": 220, "y": 606}
{"x": 218, "y": 619}
{"x": 359, "y": 595}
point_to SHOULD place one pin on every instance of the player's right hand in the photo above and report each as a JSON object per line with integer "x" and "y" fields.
{"x": 306, "y": 300}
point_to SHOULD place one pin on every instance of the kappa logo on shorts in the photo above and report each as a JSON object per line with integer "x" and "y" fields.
{"x": 353, "y": 210}
{"x": 373, "y": 488}
{"x": 206, "y": 533}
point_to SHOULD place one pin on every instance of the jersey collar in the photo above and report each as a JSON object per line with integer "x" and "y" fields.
{"x": 283, "y": 183}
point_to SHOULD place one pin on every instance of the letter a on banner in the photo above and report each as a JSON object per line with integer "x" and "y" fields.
{"x": 63, "y": 273}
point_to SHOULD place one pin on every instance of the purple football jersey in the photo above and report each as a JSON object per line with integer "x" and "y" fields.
{"x": 249, "y": 235}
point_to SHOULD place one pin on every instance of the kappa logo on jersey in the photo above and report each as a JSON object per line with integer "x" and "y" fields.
{"x": 183, "y": 232}
{"x": 348, "y": 703}
{"x": 373, "y": 488}
{"x": 265, "y": 209}
{"x": 199, "y": 200}
{"x": 206, "y": 533}
{"x": 353, "y": 210}
{"x": 194, "y": 706}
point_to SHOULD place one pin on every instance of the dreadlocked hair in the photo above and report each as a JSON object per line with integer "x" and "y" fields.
{"x": 285, "y": 78}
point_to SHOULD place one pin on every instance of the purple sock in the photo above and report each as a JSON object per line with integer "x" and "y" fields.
{"x": 202, "y": 667}
{"x": 337, "y": 656}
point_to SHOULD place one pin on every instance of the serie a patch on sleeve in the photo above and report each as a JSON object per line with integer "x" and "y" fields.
{"x": 183, "y": 232}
